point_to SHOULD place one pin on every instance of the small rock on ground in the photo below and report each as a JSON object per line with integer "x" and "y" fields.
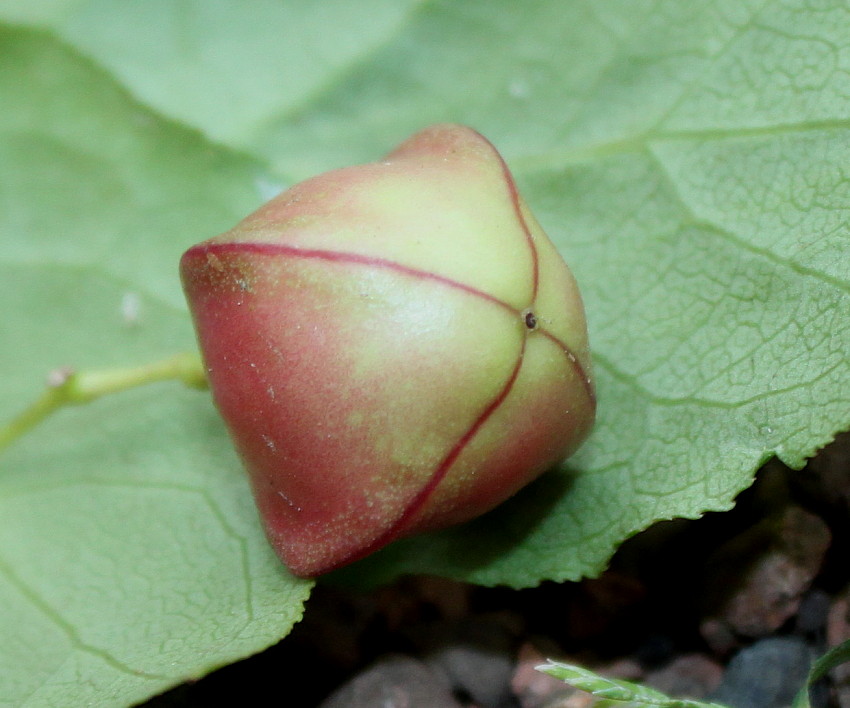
{"x": 478, "y": 660}
{"x": 687, "y": 676}
{"x": 394, "y": 682}
{"x": 770, "y": 568}
{"x": 767, "y": 674}
{"x": 837, "y": 632}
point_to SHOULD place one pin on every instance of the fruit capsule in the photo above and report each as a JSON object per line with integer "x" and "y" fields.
{"x": 395, "y": 347}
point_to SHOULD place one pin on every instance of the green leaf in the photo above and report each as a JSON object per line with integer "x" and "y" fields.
{"x": 687, "y": 158}
{"x": 834, "y": 657}
{"x": 229, "y": 68}
{"x": 615, "y": 691}
{"x": 131, "y": 557}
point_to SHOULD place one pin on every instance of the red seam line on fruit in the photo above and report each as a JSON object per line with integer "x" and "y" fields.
{"x": 535, "y": 277}
{"x": 344, "y": 257}
{"x": 513, "y": 193}
{"x": 576, "y": 364}
{"x": 443, "y": 468}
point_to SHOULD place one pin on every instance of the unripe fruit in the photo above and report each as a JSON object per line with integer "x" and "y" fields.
{"x": 395, "y": 347}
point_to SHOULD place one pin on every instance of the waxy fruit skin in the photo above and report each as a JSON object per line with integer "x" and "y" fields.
{"x": 395, "y": 347}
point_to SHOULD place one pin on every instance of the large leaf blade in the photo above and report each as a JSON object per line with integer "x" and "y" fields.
{"x": 686, "y": 158}
{"x": 132, "y": 557}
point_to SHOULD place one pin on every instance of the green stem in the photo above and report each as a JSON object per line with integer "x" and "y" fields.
{"x": 77, "y": 387}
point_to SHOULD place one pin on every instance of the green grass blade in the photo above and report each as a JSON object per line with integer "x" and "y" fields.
{"x": 820, "y": 668}
{"x": 616, "y": 690}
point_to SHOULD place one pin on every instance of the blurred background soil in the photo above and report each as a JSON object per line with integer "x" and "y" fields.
{"x": 729, "y": 608}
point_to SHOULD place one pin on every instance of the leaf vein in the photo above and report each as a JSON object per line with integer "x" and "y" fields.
{"x": 740, "y": 241}
{"x": 632, "y": 382}
{"x": 66, "y": 628}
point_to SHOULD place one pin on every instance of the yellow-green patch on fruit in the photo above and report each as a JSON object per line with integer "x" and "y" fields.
{"x": 395, "y": 347}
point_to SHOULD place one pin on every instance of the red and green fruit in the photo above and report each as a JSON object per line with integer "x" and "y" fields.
{"x": 395, "y": 347}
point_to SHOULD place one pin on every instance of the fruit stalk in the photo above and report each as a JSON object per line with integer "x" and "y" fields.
{"x": 68, "y": 387}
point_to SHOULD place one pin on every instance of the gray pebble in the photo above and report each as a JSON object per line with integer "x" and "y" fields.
{"x": 479, "y": 662}
{"x": 394, "y": 681}
{"x": 767, "y": 674}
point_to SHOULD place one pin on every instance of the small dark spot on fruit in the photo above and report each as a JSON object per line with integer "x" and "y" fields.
{"x": 530, "y": 319}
